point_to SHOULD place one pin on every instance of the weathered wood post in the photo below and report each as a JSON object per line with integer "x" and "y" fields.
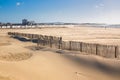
{"x": 116, "y": 51}
{"x": 31, "y": 37}
{"x": 60, "y": 43}
{"x": 80, "y": 46}
{"x": 51, "y": 39}
{"x": 46, "y": 40}
{"x": 97, "y": 49}
{"x": 43, "y": 40}
{"x": 70, "y": 42}
{"x": 38, "y": 43}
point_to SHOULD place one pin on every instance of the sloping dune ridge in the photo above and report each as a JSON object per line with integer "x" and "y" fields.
{"x": 12, "y": 51}
{"x": 19, "y": 60}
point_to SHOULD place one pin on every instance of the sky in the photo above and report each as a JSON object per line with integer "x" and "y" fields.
{"x": 70, "y": 11}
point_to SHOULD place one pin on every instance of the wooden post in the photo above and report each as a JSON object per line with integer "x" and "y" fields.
{"x": 96, "y": 49}
{"x": 63, "y": 45}
{"x": 80, "y": 46}
{"x": 70, "y": 42}
{"x": 31, "y": 37}
{"x": 116, "y": 51}
{"x": 60, "y": 43}
{"x": 43, "y": 40}
{"x": 51, "y": 41}
{"x": 38, "y": 43}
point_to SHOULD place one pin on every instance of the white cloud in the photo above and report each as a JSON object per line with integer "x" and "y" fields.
{"x": 18, "y": 4}
{"x": 96, "y": 6}
{"x": 99, "y": 5}
{"x": 102, "y": 5}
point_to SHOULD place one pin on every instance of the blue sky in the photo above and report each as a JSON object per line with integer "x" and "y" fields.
{"x": 81, "y": 11}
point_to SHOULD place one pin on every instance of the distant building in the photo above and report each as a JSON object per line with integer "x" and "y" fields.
{"x": 24, "y": 22}
{"x": 31, "y": 22}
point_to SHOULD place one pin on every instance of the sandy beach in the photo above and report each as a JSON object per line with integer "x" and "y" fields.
{"x": 83, "y": 34}
{"x": 21, "y": 61}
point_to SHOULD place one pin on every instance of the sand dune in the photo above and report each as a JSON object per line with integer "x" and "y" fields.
{"x": 21, "y": 61}
{"x": 47, "y": 65}
{"x": 10, "y": 50}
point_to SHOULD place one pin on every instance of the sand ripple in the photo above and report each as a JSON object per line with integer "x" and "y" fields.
{"x": 4, "y": 44}
{"x": 5, "y": 78}
{"x": 16, "y": 56}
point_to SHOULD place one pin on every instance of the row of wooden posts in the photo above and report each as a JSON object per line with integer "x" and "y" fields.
{"x": 110, "y": 51}
{"x": 44, "y": 40}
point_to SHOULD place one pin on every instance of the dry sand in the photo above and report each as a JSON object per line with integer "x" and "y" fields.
{"x": 20, "y": 61}
{"x": 84, "y": 34}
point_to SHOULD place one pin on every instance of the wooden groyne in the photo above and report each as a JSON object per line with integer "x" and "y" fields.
{"x": 110, "y": 51}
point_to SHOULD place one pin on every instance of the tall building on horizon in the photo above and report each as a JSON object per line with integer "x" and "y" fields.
{"x": 24, "y": 22}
